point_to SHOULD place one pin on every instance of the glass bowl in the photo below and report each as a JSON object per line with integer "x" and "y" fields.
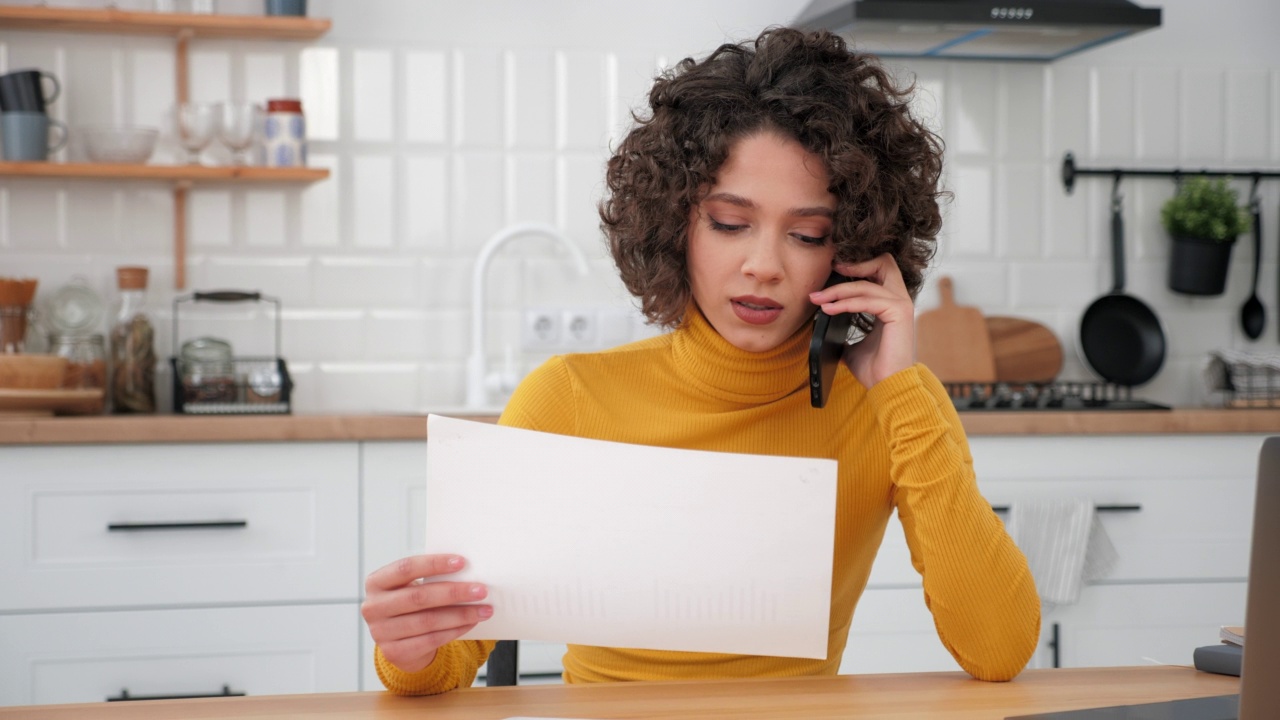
{"x": 119, "y": 143}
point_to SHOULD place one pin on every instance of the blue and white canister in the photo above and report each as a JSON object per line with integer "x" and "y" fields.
{"x": 285, "y": 134}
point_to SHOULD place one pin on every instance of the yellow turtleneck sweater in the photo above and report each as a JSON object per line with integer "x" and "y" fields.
{"x": 899, "y": 445}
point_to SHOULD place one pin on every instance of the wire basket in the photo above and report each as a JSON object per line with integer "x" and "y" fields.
{"x": 1246, "y": 380}
{"x": 240, "y": 386}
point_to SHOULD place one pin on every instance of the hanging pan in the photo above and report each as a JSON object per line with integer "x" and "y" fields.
{"x": 1120, "y": 336}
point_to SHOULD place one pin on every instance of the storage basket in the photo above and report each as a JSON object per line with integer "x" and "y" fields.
{"x": 1246, "y": 379}
{"x": 245, "y": 386}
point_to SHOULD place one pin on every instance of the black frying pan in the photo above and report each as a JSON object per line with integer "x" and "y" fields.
{"x": 1121, "y": 337}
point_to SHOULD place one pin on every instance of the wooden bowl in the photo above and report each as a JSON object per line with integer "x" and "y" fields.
{"x": 32, "y": 372}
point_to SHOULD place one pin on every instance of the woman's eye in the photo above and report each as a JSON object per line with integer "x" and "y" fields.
{"x": 723, "y": 227}
{"x": 811, "y": 240}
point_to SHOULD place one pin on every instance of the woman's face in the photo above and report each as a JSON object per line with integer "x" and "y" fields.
{"x": 759, "y": 242}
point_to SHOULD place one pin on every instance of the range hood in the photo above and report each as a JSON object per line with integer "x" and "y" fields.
{"x": 1033, "y": 30}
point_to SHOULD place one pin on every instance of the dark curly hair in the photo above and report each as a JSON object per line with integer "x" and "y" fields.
{"x": 841, "y": 105}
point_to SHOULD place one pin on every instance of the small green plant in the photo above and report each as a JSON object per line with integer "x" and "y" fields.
{"x": 1205, "y": 208}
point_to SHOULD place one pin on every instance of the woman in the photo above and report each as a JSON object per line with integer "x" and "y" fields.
{"x": 758, "y": 172}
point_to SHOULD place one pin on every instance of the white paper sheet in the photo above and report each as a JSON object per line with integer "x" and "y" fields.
{"x": 602, "y": 543}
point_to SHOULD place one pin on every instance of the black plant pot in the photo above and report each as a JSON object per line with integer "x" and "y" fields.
{"x": 1198, "y": 266}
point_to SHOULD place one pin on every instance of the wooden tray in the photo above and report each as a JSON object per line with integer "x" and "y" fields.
{"x": 48, "y": 402}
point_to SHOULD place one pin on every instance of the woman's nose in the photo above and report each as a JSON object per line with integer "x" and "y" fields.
{"x": 763, "y": 261}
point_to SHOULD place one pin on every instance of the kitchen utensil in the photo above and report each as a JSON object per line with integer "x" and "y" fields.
{"x": 1120, "y": 336}
{"x": 32, "y": 372}
{"x": 1253, "y": 316}
{"x": 24, "y": 136}
{"x": 953, "y": 342}
{"x": 14, "y": 401}
{"x": 119, "y": 143}
{"x": 1025, "y": 351}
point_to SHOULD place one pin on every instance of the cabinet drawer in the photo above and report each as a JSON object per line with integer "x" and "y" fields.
{"x": 1166, "y": 529}
{"x": 153, "y": 525}
{"x": 1139, "y": 624}
{"x": 90, "y": 657}
{"x": 893, "y": 631}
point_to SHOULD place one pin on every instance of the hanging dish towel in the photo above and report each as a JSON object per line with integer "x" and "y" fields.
{"x": 1065, "y": 546}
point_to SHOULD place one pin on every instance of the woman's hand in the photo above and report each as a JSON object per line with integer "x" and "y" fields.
{"x": 410, "y": 619}
{"x": 878, "y": 291}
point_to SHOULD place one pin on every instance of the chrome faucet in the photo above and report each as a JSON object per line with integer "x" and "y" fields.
{"x": 479, "y": 382}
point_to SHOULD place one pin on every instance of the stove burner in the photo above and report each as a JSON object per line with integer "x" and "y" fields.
{"x": 1062, "y": 395}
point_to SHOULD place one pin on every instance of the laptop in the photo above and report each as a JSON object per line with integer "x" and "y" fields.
{"x": 1259, "y": 697}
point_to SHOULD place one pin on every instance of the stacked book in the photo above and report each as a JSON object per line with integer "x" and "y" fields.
{"x": 1223, "y": 658}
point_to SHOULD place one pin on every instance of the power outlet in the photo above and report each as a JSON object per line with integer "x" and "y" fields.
{"x": 578, "y": 328}
{"x": 542, "y": 329}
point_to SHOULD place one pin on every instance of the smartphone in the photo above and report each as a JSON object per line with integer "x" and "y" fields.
{"x": 831, "y": 335}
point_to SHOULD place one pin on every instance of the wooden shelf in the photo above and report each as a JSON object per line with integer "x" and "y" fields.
{"x": 172, "y": 173}
{"x": 120, "y": 22}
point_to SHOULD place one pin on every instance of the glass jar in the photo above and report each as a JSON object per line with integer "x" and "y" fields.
{"x": 208, "y": 371}
{"x": 133, "y": 353}
{"x": 86, "y": 362}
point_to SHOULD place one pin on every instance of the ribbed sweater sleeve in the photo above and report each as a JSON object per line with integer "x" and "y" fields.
{"x": 976, "y": 581}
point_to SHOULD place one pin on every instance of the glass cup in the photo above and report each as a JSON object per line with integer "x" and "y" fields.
{"x": 238, "y": 127}
{"x": 197, "y": 123}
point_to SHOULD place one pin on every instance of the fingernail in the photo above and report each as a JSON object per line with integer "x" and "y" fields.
{"x": 456, "y": 562}
{"x": 477, "y": 591}
{"x": 484, "y": 611}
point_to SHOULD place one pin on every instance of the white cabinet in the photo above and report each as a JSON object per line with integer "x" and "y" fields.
{"x": 177, "y": 569}
{"x": 90, "y": 657}
{"x": 394, "y": 501}
{"x": 1182, "y": 554}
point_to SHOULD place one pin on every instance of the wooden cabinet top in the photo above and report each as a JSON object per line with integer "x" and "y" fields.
{"x": 320, "y": 428}
{"x": 121, "y": 22}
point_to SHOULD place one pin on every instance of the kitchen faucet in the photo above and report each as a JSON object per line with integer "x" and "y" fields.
{"x": 480, "y": 383}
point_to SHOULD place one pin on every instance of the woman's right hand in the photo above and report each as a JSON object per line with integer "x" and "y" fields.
{"x": 411, "y": 619}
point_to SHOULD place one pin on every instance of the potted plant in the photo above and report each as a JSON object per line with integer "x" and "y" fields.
{"x": 1203, "y": 219}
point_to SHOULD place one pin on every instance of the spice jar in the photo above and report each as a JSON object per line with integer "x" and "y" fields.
{"x": 208, "y": 371}
{"x": 133, "y": 352}
{"x": 285, "y": 134}
{"x": 86, "y": 361}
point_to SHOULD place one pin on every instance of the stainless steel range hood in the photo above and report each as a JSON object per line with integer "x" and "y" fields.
{"x": 1033, "y": 30}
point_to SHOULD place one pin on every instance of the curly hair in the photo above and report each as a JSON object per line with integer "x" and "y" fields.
{"x": 841, "y": 105}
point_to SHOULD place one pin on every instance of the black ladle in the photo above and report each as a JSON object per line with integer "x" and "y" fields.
{"x": 1253, "y": 316}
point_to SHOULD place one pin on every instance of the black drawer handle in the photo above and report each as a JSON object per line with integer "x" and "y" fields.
{"x": 227, "y": 296}
{"x": 124, "y": 695}
{"x": 1099, "y": 508}
{"x": 198, "y": 525}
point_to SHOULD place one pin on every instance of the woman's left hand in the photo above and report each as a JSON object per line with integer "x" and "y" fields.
{"x": 878, "y": 291}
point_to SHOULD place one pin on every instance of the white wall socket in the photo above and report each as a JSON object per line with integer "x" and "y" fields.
{"x": 578, "y": 328}
{"x": 541, "y": 329}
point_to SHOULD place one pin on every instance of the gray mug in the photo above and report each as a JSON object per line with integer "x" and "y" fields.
{"x": 25, "y": 135}
{"x": 286, "y": 7}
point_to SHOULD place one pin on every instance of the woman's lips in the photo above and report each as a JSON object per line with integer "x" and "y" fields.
{"x": 756, "y": 311}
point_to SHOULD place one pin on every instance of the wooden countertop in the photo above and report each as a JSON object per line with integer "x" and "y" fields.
{"x": 275, "y": 428}
{"x": 941, "y": 696}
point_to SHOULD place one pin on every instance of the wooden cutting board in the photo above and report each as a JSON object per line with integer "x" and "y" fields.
{"x": 953, "y": 341}
{"x": 1024, "y": 351}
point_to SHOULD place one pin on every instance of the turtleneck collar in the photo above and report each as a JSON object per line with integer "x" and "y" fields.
{"x": 712, "y": 364}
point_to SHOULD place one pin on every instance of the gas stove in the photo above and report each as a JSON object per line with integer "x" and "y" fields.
{"x": 1058, "y": 395}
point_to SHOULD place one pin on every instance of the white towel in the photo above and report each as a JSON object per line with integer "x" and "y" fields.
{"x": 1065, "y": 546}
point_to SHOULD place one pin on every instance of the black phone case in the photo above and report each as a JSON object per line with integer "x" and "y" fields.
{"x": 825, "y": 349}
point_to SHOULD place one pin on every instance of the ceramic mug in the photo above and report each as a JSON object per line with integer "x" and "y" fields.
{"x": 286, "y": 7}
{"x": 25, "y": 136}
{"x": 23, "y": 91}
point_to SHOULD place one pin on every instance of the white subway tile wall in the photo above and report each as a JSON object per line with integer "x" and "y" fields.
{"x": 434, "y": 147}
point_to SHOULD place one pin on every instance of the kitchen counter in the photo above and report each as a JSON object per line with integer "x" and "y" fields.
{"x": 276, "y": 428}
{"x": 946, "y": 696}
